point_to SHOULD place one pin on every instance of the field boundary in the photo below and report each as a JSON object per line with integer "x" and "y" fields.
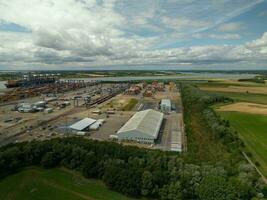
{"x": 256, "y": 168}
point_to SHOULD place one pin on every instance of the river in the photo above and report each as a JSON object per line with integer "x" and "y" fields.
{"x": 181, "y": 76}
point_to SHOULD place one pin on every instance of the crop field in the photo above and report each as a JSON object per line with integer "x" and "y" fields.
{"x": 227, "y": 83}
{"x": 252, "y": 128}
{"x": 246, "y": 97}
{"x": 238, "y": 89}
{"x": 244, "y": 107}
{"x": 37, "y": 184}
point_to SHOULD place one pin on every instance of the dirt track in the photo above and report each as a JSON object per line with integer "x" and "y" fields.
{"x": 251, "y": 108}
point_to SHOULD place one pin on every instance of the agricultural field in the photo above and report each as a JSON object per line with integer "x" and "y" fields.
{"x": 227, "y": 83}
{"x": 239, "y": 91}
{"x": 244, "y": 97}
{"x": 252, "y": 128}
{"x": 248, "y": 115}
{"x": 251, "y": 108}
{"x": 37, "y": 183}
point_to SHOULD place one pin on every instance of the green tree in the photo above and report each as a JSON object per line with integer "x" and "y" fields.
{"x": 90, "y": 166}
{"x": 49, "y": 160}
{"x": 215, "y": 188}
{"x": 173, "y": 191}
{"x": 147, "y": 184}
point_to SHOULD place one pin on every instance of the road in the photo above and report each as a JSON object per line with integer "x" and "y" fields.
{"x": 173, "y": 137}
{"x": 172, "y": 134}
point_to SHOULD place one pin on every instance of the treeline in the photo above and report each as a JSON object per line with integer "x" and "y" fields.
{"x": 193, "y": 97}
{"x": 222, "y": 131}
{"x": 257, "y": 79}
{"x": 134, "y": 171}
{"x": 7, "y": 76}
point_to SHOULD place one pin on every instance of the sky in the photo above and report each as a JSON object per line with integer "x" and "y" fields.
{"x": 133, "y": 34}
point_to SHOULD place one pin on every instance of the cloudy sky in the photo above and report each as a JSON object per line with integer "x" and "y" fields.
{"x": 133, "y": 34}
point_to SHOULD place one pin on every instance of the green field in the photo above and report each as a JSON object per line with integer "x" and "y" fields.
{"x": 253, "y": 130}
{"x": 42, "y": 184}
{"x": 245, "y": 97}
{"x": 232, "y": 83}
{"x": 238, "y": 96}
{"x": 202, "y": 146}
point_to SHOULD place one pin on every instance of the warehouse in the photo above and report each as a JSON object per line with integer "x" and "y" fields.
{"x": 143, "y": 127}
{"x": 165, "y": 105}
{"x": 83, "y": 124}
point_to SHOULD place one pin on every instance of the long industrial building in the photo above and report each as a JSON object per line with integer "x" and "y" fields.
{"x": 83, "y": 124}
{"x": 143, "y": 127}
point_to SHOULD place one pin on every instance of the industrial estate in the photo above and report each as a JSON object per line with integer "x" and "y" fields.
{"x": 141, "y": 113}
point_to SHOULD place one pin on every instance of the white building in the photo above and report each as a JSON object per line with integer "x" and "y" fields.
{"x": 97, "y": 124}
{"x": 83, "y": 124}
{"x": 165, "y": 105}
{"x": 143, "y": 127}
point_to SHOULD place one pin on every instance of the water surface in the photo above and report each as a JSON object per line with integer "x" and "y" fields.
{"x": 181, "y": 76}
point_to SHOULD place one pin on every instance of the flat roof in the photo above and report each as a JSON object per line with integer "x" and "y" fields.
{"x": 166, "y": 102}
{"x": 82, "y": 124}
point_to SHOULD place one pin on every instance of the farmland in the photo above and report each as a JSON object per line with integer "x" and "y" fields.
{"x": 247, "y": 115}
{"x": 251, "y": 108}
{"x": 59, "y": 183}
{"x": 239, "y": 91}
{"x": 253, "y": 130}
{"x": 244, "y": 97}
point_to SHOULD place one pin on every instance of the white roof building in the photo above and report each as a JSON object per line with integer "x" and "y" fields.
{"x": 165, "y": 105}
{"x": 143, "y": 127}
{"x": 82, "y": 124}
{"x": 97, "y": 124}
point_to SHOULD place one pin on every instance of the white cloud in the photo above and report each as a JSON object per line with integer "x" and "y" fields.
{"x": 217, "y": 36}
{"x": 111, "y": 32}
{"x": 259, "y": 46}
{"x": 183, "y": 24}
{"x": 258, "y": 43}
{"x": 225, "y": 36}
{"x": 230, "y": 27}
